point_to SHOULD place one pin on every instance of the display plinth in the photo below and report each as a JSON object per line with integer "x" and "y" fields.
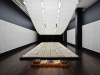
{"x": 38, "y": 62}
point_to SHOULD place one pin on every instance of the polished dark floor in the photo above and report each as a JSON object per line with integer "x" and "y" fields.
{"x": 89, "y": 64}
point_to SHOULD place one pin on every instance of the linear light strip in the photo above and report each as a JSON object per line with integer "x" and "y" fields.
{"x": 58, "y": 10}
{"x": 66, "y": 11}
{"x": 59, "y": 3}
{"x": 43, "y": 16}
{"x": 42, "y": 4}
{"x": 58, "y": 14}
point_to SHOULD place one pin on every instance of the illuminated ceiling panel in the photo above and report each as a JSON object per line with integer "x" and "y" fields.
{"x": 34, "y": 8}
{"x": 50, "y": 13}
{"x": 66, "y": 11}
{"x": 51, "y": 17}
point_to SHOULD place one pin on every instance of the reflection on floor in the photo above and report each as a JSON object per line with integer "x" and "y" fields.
{"x": 88, "y": 65}
{"x": 59, "y": 63}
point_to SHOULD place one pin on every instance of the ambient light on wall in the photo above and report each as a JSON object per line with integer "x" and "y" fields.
{"x": 50, "y": 17}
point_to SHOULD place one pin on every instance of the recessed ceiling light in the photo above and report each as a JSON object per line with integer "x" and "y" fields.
{"x": 43, "y": 11}
{"x": 44, "y": 19}
{"x": 59, "y": 4}
{"x": 24, "y": 3}
{"x": 57, "y": 19}
{"x": 58, "y": 10}
{"x": 57, "y": 15}
{"x": 42, "y": 4}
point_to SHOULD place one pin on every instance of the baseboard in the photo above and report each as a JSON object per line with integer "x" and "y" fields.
{"x": 70, "y": 44}
{"x": 91, "y": 51}
{"x": 88, "y": 50}
{"x": 16, "y": 49}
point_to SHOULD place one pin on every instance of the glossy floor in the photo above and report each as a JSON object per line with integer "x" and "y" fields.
{"x": 89, "y": 64}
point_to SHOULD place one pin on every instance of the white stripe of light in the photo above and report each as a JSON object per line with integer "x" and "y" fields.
{"x": 57, "y": 15}
{"x": 43, "y": 10}
{"x": 58, "y": 10}
{"x": 59, "y": 4}
{"x": 42, "y": 4}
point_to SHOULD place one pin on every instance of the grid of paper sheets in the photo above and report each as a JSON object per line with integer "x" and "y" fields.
{"x": 50, "y": 49}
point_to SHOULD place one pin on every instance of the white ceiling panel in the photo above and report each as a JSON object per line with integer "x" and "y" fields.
{"x": 34, "y": 8}
{"x": 66, "y": 12}
{"x": 50, "y": 13}
{"x": 51, "y": 17}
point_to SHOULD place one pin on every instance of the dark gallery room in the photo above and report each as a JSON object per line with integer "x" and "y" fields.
{"x": 49, "y": 37}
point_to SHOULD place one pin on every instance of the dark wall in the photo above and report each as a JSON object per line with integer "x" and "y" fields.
{"x": 89, "y": 15}
{"x": 13, "y": 14}
{"x": 50, "y": 38}
{"x": 71, "y": 24}
{"x": 78, "y": 29}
